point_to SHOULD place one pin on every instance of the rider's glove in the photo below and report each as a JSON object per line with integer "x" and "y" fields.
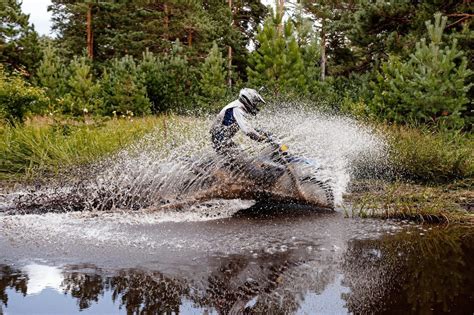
{"x": 284, "y": 148}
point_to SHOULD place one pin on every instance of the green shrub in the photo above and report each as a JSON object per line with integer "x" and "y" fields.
{"x": 18, "y": 98}
{"x": 123, "y": 89}
{"x": 431, "y": 157}
{"x": 168, "y": 80}
{"x": 212, "y": 85}
{"x": 278, "y": 63}
{"x": 429, "y": 88}
{"x": 83, "y": 94}
{"x": 52, "y": 73}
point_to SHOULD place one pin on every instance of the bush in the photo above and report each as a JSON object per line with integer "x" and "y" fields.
{"x": 431, "y": 157}
{"x": 168, "y": 80}
{"x": 52, "y": 73}
{"x": 212, "y": 85}
{"x": 277, "y": 63}
{"x": 123, "y": 89}
{"x": 83, "y": 94}
{"x": 429, "y": 88}
{"x": 18, "y": 98}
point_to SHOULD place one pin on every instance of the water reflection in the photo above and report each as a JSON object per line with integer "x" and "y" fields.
{"x": 41, "y": 277}
{"x": 86, "y": 284}
{"x": 11, "y": 278}
{"x": 147, "y": 292}
{"x": 422, "y": 272}
{"x": 402, "y": 273}
{"x": 261, "y": 284}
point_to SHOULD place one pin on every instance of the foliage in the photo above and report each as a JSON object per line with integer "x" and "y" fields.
{"x": 140, "y": 66}
{"x": 328, "y": 18}
{"x": 83, "y": 94}
{"x": 277, "y": 62}
{"x": 247, "y": 16}
{"x": 19, "y": 43}
{"x": 45, "y": 146}
{"x": 19, "y": 98}
{"x": 377, "y": 29}
{"x": 429, "y": 88}
{"x": 167, "y": 80}
{"x": 310, "y": 47}
{"x": 212, "y": 83}
{"x": 123, "y": 90}
{"x": 423, "y": 156}
{"x": 51, "y": 73}
{"x": 129, "y": 28}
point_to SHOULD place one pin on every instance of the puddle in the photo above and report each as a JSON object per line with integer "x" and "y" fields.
{"x": 294, "y": 262}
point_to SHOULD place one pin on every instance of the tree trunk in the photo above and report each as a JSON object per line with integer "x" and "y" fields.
{"x": 90, "y": 40}
{"x": 229, "y": 66}
{"x": 281, "y": 11}
{"x": 190, "y": 38}
{"x": 229, "y": 52}
{"x": 323, "y": 52}
{"x": 167, "y": 21}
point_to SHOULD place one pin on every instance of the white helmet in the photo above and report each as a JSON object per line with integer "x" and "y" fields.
{"x": 250, "y": 98}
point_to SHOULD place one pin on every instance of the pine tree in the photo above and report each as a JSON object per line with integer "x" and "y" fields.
{"x": 51, "y": 73}
{"x": 243, "y": 19}
{"x": 130, "y": 27}
{"x": 376, "y": 29}
{"x": 19, "y": 43}
{"x": 168, "y": 80}
{"x": 179, "y": 79}
{"x": 247, "y": 16}
{"x": 123, "y": 90}
{"x": 430, "y": 88}
{"x": 151, "y": 69}
{"x": 212, "y": 83}
{"x": 83, "y": 94}
{"x": 309, "y": 43}
{"x": 277, "y": 62}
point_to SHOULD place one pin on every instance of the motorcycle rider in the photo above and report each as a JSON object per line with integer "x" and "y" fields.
{"x": 232, "y": 118}
{"x": 228, "y": 122}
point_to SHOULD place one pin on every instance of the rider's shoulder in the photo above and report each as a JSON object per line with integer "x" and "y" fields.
{"x": 233, "y": 104}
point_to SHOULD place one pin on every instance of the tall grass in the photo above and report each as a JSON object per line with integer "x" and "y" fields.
{"x": 44, "y": 147}
{"x": 432, "y": 175}
{"x": 414, "y": 202}
{"x": 423, "y": 156}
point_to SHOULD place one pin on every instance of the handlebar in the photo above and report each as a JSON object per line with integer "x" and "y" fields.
{"x": 281, "y": 148}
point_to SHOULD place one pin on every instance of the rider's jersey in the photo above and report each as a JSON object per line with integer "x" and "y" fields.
{"x": 229, "y": 120}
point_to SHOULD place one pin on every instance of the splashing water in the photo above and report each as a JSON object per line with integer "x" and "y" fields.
{"x": 335, "y": 142}
{"x": 171, "y": 167}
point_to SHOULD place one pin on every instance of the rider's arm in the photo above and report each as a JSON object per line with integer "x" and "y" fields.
{"x": 245, "y": 126}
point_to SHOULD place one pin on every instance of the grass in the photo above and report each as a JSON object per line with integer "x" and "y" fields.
{"x": 432, "y": 178}
{"x": 401, "y": 200}
{"x": 433, "y": 171}
{"x": 426, "y": 157}
{"x": 42, "y": 146}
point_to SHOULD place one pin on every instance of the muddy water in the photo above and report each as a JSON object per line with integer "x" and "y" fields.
{"x": 280, "y": 262}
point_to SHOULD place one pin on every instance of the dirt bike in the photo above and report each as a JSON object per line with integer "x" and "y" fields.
{"x": 273, "y": 176}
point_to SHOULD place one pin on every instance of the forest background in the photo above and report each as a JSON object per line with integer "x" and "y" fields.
{"x": 405, "y": 66}
{"x": 394, "y": 60}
